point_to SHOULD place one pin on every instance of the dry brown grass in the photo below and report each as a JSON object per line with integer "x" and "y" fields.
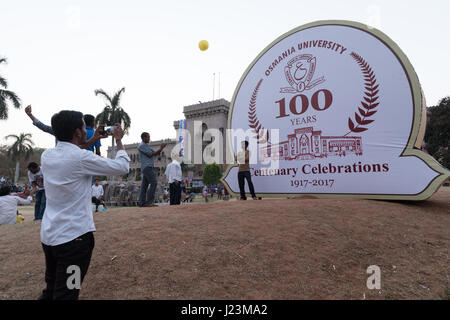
{"x": 269, "y": 249}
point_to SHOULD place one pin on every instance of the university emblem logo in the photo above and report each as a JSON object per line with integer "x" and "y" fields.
{"x": 299, "y": 73}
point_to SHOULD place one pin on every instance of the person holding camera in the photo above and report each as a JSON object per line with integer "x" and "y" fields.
{"x": 89, "y": 119}
{"x": 68, "y": 225}
{"x": 146, "y": 155}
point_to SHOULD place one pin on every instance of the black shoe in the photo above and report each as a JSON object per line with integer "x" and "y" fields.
{"x": 149, "y": 205}
{"x": 45, "y": 296}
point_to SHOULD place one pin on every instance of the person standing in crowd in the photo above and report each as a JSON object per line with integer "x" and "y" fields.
{"x": 68, "y": 225}
{"x": 37, "y": 181}
{"x": 8, "y": 206}
{"x": 205, "y": 193}
{"x": 89, "y": 119}
{"x": 219, "y": 192}
{"x": 173, "y": 174}
{"x": 226, "y": 195}
{"x": 87, "y": 144}
{"x": 97, "y": 195}
{"x": 243, "y": 158}
{"x": 213, "y": 191}
{"x": 146, "y": 155}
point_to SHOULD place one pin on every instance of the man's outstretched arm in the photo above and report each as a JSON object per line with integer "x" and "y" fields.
{"x": 145, "y": 149}
{"x": 38, "y": 123}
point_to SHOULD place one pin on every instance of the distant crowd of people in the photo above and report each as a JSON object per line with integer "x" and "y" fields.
{"x": 15, "y": 187}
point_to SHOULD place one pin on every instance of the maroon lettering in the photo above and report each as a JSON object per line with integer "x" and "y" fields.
{"x": 328, "y": 100}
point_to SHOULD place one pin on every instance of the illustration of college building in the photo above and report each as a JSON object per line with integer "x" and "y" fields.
{"x": 306, "y": 144}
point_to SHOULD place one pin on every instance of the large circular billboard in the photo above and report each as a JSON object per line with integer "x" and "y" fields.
{"x": 333, "y": 109}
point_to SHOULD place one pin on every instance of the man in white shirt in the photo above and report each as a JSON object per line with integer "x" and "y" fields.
{"x": 97, "y": 195}
{"x": 37, "y": 182}
{"x": 68, "y": 225}
{"x": 173, "y": 174}
{"x": 8, "y": 205}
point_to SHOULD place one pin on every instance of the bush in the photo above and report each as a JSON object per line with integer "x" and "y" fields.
{"x": 211, "y": 174}
{"x": 437, "y": 135}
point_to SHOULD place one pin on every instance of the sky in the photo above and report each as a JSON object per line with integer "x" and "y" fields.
{"x": 59, "y": 52}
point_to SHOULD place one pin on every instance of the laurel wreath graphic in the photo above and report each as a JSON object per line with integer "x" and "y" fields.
{"x": 261, "y": 134}
{"x": 370, "y": 97}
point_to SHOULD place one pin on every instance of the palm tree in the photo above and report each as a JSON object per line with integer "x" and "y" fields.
{"x": 22, "y": 148}
{"x": 6, "y": 95}
{"x": 113, "y": 113}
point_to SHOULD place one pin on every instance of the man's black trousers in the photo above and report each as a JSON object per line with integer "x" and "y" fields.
{"x": 245, "y": 175}
{"x": 175, "y": 193}
{"x": 58, "y": 259}
{"x": 97, "y": 202}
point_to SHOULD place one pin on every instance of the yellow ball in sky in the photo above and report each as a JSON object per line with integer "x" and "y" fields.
{"x": 203, "y": 45}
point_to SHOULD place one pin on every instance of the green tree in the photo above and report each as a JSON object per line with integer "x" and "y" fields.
{"x": 7, "y": 165}
{"x": 113, "y": 113}
{"x": 437, "y": 134}
{"x": 211, "y": 174}
{"x": 22, "y": 148}
{"x": 6, "y": 95}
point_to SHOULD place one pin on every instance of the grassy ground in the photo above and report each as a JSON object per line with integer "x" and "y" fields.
{"x": 269, "y": 249}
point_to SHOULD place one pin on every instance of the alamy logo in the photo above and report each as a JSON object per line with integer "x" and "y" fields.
{"x": 374, "y": 280}
{"x": 74, "y": 280}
